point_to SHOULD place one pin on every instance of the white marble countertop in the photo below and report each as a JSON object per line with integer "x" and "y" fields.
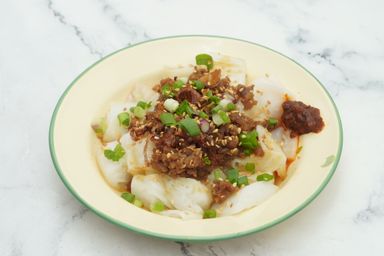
{"x": 44, "y": 44}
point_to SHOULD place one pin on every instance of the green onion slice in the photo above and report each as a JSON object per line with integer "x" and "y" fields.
{"x": 264, "y": 177}
{"x": 144, "y": 105}
{"x": 139, "y": 112}
{"x": 216, "y": 109}
{"x": 214, "y": 99}
{"x": 190, "y": 126}
{"x": 242, "y": 181}
{"x": 171, "y": 105}
{"x": 232, "y": 175}
{"x": 230, "y": 106}
{"x": 204, "y": 59}
{"x": 224, "y": 116}
{"x": 128, "y": 197}
{"x": 248, "y": 141}
{"x": 250, "y": 167}
{"x": 198, "y": 85}
{"x": 158, "y": 206}
{"x": 203, "y": 115}
{"x": 272, "y": 121}
{"x": 124, "y": 119}
{"x": 184, "y": 107}
{"x": 167, "y": 119}
{"x": 218, "y": 174}
{"x": 166, "y": 91}
{"x": 178, "y": 84}
{"x": 209, "y": 213}
{"x": 138, "y": 203}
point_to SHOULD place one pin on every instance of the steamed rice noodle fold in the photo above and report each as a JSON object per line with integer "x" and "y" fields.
{"x": 234, "y": 68}
{"x": 247, "y": 197}
{"x": 269, "y": 95}
{"x": 114, "y": 130}
{"x": 136, "y": 154}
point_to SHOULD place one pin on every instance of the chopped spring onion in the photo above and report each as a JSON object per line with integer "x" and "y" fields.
{"x": 250, "y": 167}
{"x": 116, "y": 154}
{"x": 132, "y": 199}
{"x": 212, "y": 98}
{"x": 218, "y": 174}
{"x": 100, "y": 128}
{"x": 178, "y": 84}
{"x": 220, "y": 118}
{"x": 184, "y": 107}
{"x": 272, "y": 121}
{"x": 138, "y": 203}
{"x": 216, "y": 109}
{"x": 224, "y": 102}
{"x": 209, "y": 213}
{"x": 166, "y": 90}
{"x": 264, "y": 177}
{"x": 248, "y": 141}
{"x": 242, "y": 181}
{"x": 206, "y": 160}
{"x": 204, "y": 59}
{"x": 171, "y": 105}
{"x": 144, "y": 105}
{"x": 128, "y": 196}
{"x": 167, "y": 119}
{"x": 224, "y": 116}
{"x": 217, "y": 119}
{"x": 158, "y": 206}
{"x": 124, "y": 119}
{"x": 203, "y": 114}
{"x": 232, "y": 175}
{"x": 190, "y": 126}
{"x": 230, "y": 106}
{"x": 198, "y": 85}
{"x": 139, "y": 112}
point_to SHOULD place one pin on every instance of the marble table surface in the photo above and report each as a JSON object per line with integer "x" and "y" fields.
{"x": 44, "y": 44}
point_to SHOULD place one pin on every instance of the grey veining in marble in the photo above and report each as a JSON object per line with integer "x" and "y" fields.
{"x": 46, "y": 43}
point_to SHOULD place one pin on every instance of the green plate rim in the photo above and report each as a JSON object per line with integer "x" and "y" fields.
{"x": 191, "y": 238}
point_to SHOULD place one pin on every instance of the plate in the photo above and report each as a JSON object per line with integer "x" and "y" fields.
{"x": 71, "y": 138}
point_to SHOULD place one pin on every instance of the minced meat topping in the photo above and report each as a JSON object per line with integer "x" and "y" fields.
{"x": 207, "y": 104}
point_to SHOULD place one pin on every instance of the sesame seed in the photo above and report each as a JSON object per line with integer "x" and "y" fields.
{"x": 215, "y": 131}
